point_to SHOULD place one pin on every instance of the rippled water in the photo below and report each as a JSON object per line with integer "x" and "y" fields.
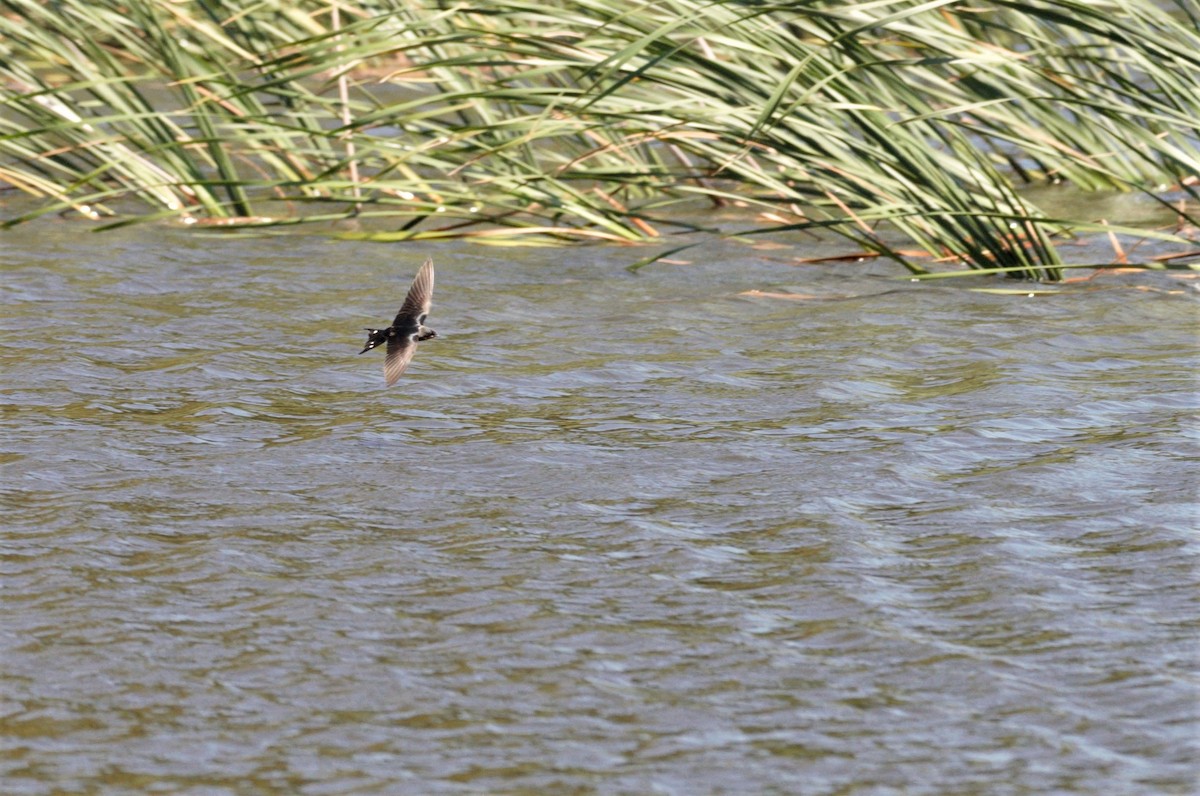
{"x": 610, "y": 533}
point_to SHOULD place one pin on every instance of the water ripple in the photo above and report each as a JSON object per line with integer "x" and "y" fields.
{"x": 612, "y": 533}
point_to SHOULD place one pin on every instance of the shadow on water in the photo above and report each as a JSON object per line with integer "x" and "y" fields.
{"x": 610, "y": 532}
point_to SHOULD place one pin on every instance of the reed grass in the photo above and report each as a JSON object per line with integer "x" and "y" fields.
{"x": 588, "y": 119}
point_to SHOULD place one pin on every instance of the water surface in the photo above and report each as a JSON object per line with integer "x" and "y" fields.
{"x": 611, "y": 533}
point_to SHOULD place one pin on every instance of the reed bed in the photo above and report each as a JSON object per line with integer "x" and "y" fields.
{"x": 594, "y": 120}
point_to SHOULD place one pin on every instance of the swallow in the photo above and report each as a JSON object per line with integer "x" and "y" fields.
{"x": 408, "y": 328}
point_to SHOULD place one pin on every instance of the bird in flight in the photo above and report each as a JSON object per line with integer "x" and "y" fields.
{"x": 408, "y": 328}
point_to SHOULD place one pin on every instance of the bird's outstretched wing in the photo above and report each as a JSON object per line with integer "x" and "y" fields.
{"x": 400, "y": 352}
{"x": 419, "y": 300}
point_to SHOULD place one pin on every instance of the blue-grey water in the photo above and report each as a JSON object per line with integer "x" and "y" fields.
{"x": 611, "y": 533}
